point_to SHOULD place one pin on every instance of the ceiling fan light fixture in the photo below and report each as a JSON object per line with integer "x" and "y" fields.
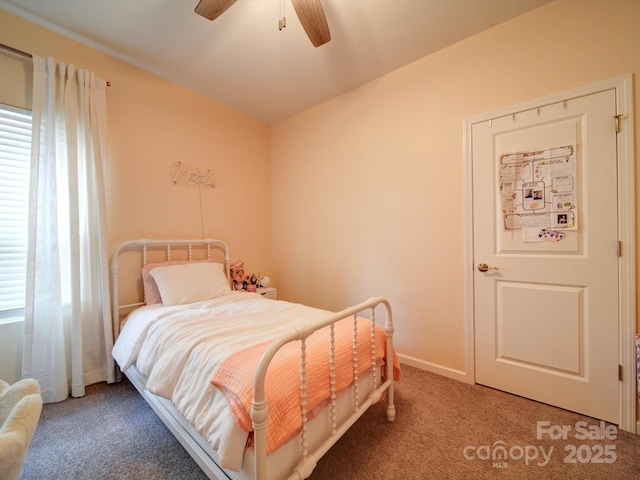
{"x": 309, "y": 12}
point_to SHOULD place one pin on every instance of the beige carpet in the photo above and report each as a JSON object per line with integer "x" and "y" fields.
{"x": 444, "y": 429}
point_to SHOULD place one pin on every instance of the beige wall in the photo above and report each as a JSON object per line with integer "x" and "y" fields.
{"x": 153, "y": 123}
{"x": 368, "y": 187}
{"x": 360, "y": 196}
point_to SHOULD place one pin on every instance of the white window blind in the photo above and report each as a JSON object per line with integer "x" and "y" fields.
{"x": 15, "y": 150}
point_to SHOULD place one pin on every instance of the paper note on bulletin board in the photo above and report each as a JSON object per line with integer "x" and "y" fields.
{"x": 538, "y": 189}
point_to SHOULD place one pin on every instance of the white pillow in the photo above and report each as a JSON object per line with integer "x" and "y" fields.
{"x": 191, "y": 282}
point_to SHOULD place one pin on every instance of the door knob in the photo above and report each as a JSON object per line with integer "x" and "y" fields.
{"x": 483, "y": 267}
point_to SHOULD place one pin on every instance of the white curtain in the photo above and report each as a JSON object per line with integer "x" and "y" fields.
{"x": 68, "y": 335}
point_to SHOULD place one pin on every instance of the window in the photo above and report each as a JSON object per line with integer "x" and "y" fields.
{"x": 15, "y": 159}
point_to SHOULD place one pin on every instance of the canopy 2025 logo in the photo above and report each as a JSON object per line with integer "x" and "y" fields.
{"x": 500, "y": 453}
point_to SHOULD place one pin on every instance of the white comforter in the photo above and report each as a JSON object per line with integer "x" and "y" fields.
{"x": 179, "y": 348}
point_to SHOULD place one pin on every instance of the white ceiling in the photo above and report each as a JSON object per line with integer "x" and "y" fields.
{"x": 242, "y": 60}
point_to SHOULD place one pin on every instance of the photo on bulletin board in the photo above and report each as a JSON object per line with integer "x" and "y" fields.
{"x": 533, "y": 196}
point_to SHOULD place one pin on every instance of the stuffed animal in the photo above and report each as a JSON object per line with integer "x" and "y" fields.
{"x": 242, "y": 281}
{"x": 237, "y": 276}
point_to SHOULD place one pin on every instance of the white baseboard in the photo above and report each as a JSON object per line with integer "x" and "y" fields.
{"x": 435, "y": 368}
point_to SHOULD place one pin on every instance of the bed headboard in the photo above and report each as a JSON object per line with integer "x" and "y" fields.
{"x": 144, "y": 247}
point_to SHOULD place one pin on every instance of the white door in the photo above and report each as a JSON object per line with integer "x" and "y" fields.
{"x": 546, "y": 310}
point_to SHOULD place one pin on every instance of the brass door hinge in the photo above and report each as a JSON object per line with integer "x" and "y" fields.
{"x": 617, "y": 122}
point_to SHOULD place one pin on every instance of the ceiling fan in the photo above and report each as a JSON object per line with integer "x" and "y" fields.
{"x": 309, "y": 12}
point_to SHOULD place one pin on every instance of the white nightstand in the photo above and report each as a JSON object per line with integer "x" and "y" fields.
{"x": 268, "y": 292}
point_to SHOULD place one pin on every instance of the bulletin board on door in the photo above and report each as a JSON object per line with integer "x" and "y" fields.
{"x": 538, "y": 191}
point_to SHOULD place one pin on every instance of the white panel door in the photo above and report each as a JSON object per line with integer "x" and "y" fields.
{"x": 546, "y": 311}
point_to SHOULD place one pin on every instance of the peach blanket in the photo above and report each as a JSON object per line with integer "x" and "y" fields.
{"x": 282, "y": 384}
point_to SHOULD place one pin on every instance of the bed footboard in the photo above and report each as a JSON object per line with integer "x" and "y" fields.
{"x": 259, "y": 410}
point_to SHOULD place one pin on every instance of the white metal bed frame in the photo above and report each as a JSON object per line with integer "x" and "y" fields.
{"x": 259, "y": 410}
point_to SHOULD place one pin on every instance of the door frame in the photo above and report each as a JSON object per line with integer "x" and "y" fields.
{"x": 623, "y": 86}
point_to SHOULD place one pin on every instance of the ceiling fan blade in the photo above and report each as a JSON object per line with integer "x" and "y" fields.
{"x": 313, "y": 21}
{"x": 212, "y": 9}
